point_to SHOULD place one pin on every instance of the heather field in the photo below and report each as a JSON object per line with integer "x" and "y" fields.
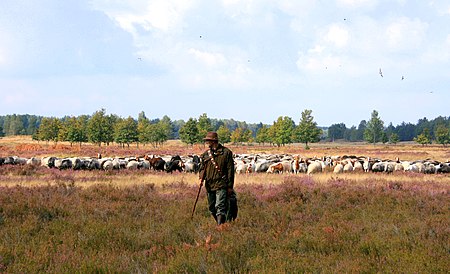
{"x": 68, "y": 221}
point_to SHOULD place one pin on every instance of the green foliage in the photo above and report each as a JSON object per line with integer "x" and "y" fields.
{"x": 374, "y": 129}
{"x": 336, "y": 131}
{"x": 384, "y": 137}
{"x": 263, "y": 135}
{"x": 307, "y": 130}
{"x": 189, "y": 133}
{"x": 282, "y": 131}
{"x": 49, "y": 129}
{"x": 75, "y": 129}
{"x": 204, "y": 126}
{"x": 393, "y": 138}
{"x": 241, "y": 135}
{"x": 125, "y": 131}
{"x": 158, "y": 133}
{"x": 422, "y": 139}
{"x": 443, "y": 135}
{"x": 224, "y": 134}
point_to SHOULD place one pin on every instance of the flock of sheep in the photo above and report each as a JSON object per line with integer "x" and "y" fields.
{"x": 244, "y": 163}
{"x": 337, "y": 164}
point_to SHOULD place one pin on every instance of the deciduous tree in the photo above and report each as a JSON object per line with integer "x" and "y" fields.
{"x": 189, "y": 133}
{"x": 307, "y": 130}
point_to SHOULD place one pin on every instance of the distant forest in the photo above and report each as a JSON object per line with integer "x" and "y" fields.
{"x": 17, "y": 124}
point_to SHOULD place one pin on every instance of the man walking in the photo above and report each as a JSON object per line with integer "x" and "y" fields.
{"x": 217, "y": 172}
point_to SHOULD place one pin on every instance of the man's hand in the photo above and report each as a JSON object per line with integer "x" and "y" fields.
{"x": 200, "y": 184}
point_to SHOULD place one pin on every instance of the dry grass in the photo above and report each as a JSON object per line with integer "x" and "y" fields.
{"x": 68, "y": 221}
{"x": 25, "y": 147}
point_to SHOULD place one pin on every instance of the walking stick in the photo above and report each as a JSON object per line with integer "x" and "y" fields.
{"x": 196, "y": 200}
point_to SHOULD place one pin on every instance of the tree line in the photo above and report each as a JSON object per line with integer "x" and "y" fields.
{"x": 102, "y": 128}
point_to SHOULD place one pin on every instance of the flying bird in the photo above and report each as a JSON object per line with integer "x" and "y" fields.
{"x": 381, "y": 73}
{"x": 403, "y": 77}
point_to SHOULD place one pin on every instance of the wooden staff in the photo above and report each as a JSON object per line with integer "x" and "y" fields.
{"x": 196, "y": 200}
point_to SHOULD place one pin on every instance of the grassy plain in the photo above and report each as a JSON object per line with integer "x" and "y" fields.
{"x": 139, "y": 221}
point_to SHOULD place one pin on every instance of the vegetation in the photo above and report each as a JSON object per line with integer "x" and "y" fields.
{"x": 374, "y": 129}
{"x": 64, "y": 222}
{"x": 100, "y": 128}
{"x": 307, "y": 130}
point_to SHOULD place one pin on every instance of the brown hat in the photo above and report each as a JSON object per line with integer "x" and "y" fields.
{"x": 211, "y": 136}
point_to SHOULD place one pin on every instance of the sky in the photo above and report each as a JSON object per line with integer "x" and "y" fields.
{"x": 247, "y": 60}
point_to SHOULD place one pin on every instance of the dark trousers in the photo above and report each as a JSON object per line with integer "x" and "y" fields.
{"x": 218, "y": 202}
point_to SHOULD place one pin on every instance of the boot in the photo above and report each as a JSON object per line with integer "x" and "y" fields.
{"x": 220, "y": 219}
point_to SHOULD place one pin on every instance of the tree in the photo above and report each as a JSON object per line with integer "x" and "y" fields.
{"x": 100, "y": 128}
{"x": 422, "y": 139}
{"x": 283, "y": 131}
{"x": 241, "y": 135}
{"x": 360, "y": 131}
{"x": 262, "y": 135}
{"x": 336, "y": 131}
{"x": 393, "y": 138}
{"x": 204, "y": 126}
{"x": 224, "y": 134}
{"x": 75, "y": 129}
{"x": 307, "y": 130}
{"x": 125, "y": 131}
{"x": 384, "y": 137}
{"x": 442, "y": 135}
{"x": 167, "y": 128}
{"x": 49, "y": 129}
{"x": 143, "y": 129}
{"x": 374, "y": 129}
{"x": 189, "y": 133}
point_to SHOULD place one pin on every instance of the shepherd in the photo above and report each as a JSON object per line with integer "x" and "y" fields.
{"x": 217, "y": 173}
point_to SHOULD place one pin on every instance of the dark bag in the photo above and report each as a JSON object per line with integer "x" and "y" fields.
{"x": 232, "y": 207}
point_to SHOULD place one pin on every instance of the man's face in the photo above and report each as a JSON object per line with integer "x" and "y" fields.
{"x": 209, "y": 143}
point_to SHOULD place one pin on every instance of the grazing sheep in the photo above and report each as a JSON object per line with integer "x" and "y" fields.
{"x": 348, "y": 167}
{"x": 275, "y": 168}
{"x": 314, "y": 167}
{"x": 339, "y": 168}
{"x": 33, "y": 161}
{"x": 378, "y": 167}
{"x": 132, "y": 165}
{"x": 389, "y": 167}
{"x": 48, "y": 162}
{"x": 357, "y": 166}
{"x": 107, "y": 165}
{"x": 367, "y": 165}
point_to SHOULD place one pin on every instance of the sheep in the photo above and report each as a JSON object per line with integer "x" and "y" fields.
{"x": 339, "y": 168}
{"x": 348, "y": 167}
{"x": 33, "y": 161}
{"x": 314, "y": 167}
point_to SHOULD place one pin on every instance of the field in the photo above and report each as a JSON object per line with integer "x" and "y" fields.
{"x": 140, "y": 221}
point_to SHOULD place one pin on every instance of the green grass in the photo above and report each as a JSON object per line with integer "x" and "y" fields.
{"x": 295, "y": 226}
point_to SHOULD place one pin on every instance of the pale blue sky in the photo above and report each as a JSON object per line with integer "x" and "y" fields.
{"x": 252, "y": 60}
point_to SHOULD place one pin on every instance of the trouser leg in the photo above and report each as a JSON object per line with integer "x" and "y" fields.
{"x": 221, "y": 205}
{"x": 218, "y": 204}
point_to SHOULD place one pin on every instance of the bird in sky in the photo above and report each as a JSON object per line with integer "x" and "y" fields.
{"x": 381, "y": 73}
{"x": 403, "y": 77}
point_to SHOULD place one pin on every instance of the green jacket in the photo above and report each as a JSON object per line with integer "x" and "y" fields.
{"x": 209, "y": 173}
